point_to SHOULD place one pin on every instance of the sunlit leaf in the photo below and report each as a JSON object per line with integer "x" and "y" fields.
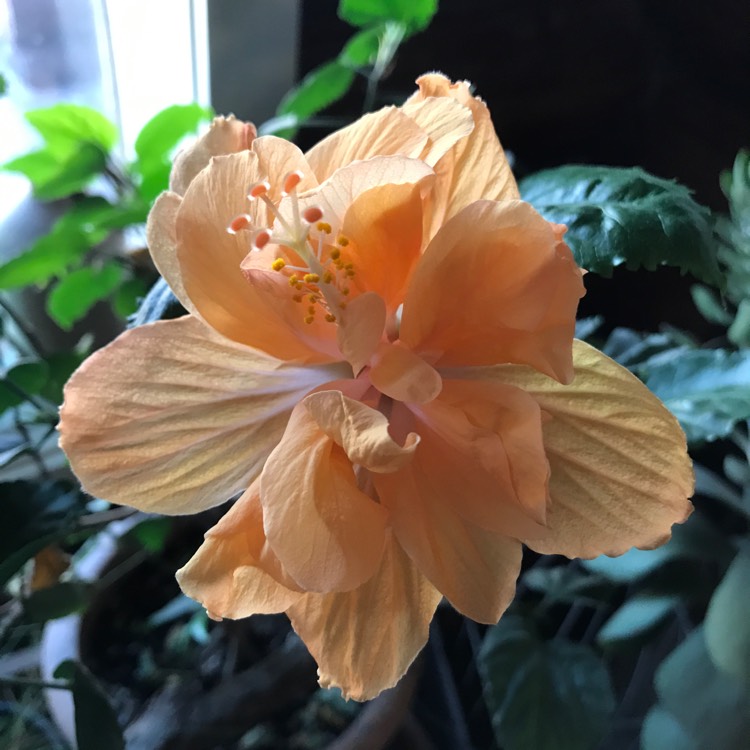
{"x": 163, "y": 132}
{"x": 362, "y": 49}
{"x": 66, "y": 123}
{"x": 128, "y": 296}
{"x": 635, "y": 617}
{"x": 80, "y": 290}
{"x": 626, "y": 217}
{"x": 543, "y": 695}
{"x": 318, "y": 90}
{"x": 415, "y": 14}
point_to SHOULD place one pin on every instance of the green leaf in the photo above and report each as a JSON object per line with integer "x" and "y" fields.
{"x": 152, "y": 533}
{"x": 34, "y": 516}
{"x": 567, "y": 584}
{"x": 631, "y": 348}
{"x": 163, "y": 132}
{"x": 154, "y": 180}
{"x": 319, "y": 89}
{"x": 59, "y": 600}
{"x": 3, "y": 85}
{"x": 727, "y": 621}
{"x": 661, "y": 731}
{"x": 626, "y": 216}
{"x": 712, "y": 707}
{"x": 362, "y": 49}
{"x": 24, "y": 378}
{"x": 80, "y": 290}
{"x": 708, "y": 390}
{"x": 63, "y": 124}
{"x": 415, "y": 14}
{"x": 96, "y": 722}
{"x": 636, "y": 617}
{"x": 128, "y": 296}
{"x": 550, "y": 695}
{"x": 709, "y": 306}
{"x": 60, "y": 367}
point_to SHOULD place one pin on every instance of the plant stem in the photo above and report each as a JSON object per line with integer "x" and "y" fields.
{"x": 32, "y": 340}
{"x": 393, "y": 35}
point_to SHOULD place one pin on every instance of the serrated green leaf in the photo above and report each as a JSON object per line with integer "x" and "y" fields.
{"x": 708, "y": 390}
{"x": 541, "y": 695}
{"x": 414, "y": 14}
{"x": 37, "y": 166}
{"x": 59, "y": 600}
{"x": 361, "y": 49}
{"x": 709, "y": 306}
{"x": 632, "y": 348}
{"x": 661, "y": 731}
{"x": 74, "y": 174}
{"x": 318, "y": 90}
{"x": 713, "y": 707}
{"x": 34, "y": 516}
{"x": 163, "y": 132}
{"x": 626, "y": 217}
{"x": 80, "y": 290}
{"x": 25, "y": 378}
{"x": 96, "y": 722}
{"x": 635, "y": 617}
{"x": 727, "y": 621}
{"x": 63, "y": 124}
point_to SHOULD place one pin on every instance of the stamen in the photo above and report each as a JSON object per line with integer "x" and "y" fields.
{"x": 312, "y": 214}
{"x": 309, "y": 319}
{"x": 324, "y": 226}
{"x": 278, "y": 264}
{"x": 239, "y": 223}
{"x": 292, "y": 180}
{"x": 331, "y": 318}
{"x": 335, "y": 253}
{"x": 261, "y": 239}
{"x": 311, "y": 278}
{"x": 342, "y": 241}
{"x": 258, "y": 189}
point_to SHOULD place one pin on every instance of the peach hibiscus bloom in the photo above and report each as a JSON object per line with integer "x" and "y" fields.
{"x": 379, "y": 355}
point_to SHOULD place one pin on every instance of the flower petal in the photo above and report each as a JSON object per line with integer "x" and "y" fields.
{"x": 172, "y": 418}
{"x": 161, "y": 235}
{"x": 476, "y": 167}
{"x": 276, "y": 158}
{"x": 475, "y": 569}
{"x": 360, "y": 328}
{"x": 481, "y": 454}
{"x": 361, "y": 431}
{"x": 227, "y": 135}
{"x": 495, "y": 285}
{"x": 382, "y": 133}
{"x": 621, "y": 475}
{"x": 364, "y": 640}
{"x": 210, "y": 260}
{"x": 384, "y": 228}
{"x": 403, "y": 375}
{"x": 327, "y": 533}
{"x": 234, "y": 573}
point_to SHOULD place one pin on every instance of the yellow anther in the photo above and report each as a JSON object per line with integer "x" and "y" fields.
{"x": 311, "y": 278}
{"x": 293, "y": 280}
{"x": 278, "y": 264}
{"x": 324, "y": 226}
{"x": 327, "y": 277}
{"x": 350, "y": 273}
{"x": 313, "y": 298}
{"x": 341, "y": 240}
{"x": 342, "y": 305}
{"x": 349, "y": 266}
{"x": 331, "y": 318}
{"x": 335, "y": 253}
{"x": 297, "y": 297}
{"x": 311, "y": 310}
{"x": 345, "y": 291}
{"x": 309, "y": 319}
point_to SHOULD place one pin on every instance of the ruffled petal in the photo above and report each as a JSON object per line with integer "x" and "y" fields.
{"x": 475, "y": 167}
{"x": 496, "y": 285}
{"x": 327, "y": 533}
{"x": 481, "y": 454}
{"x": 621, "y": 475}
{"x": 403, "y": 375}
{"x": 278, "y": 157}
{"x": 364, "y": 640}
{"x": 382, "y": 133}
{"x": 210, "y": 260}
{"x": 360, "y": 328}
{"x": 227, "y": 135}
{"x": 234, "y": 573}
{"x": 475, "y": 569}
{"x": 361, "y": 431}
{"x": 173, "y": 418}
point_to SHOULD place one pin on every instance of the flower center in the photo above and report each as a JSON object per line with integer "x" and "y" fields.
{"x": 316, "y": 267}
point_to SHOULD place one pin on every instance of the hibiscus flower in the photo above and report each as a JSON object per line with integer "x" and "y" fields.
{"x": 379, "y": 356}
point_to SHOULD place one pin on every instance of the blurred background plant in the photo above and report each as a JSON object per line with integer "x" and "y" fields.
{"x": 97, "y": 646}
